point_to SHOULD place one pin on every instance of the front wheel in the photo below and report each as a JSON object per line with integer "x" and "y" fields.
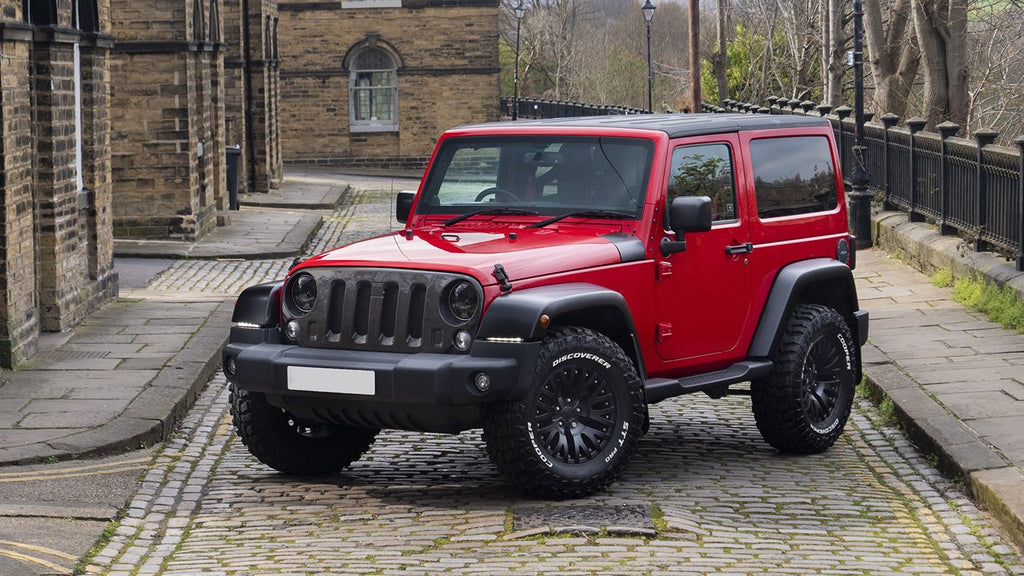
{"x": 580, "y": 422}
{"x": 804, "y": 403}
{"x": 280, "y": 441}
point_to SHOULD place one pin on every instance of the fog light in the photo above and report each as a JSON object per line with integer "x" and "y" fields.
{"x": 291, "y": 330}
{"x": 463, "y": 340}
{"x": 229, "y": 367}
{"x": 482, "y": 382}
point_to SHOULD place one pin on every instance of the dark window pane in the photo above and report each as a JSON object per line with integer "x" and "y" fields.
{"x": 704, "y": 170}
{"x": 793, "y": 176}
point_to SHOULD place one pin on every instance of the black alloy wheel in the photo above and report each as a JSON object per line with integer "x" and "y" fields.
{"x": 578, "y": 426}
{"x": 575, "y": 414}
{"x": 803, "y": 405}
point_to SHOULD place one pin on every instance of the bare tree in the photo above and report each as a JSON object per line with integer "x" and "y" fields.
{"x": 996, "y": 61}
{"x": 834, "y": 42}
{"x": 941, "y": 27}
{"x": 893, "y": 53}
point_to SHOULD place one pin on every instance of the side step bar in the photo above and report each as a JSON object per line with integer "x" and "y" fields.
{"x": 658, "y": 389}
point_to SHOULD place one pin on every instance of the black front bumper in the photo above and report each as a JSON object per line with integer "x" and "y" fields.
{"x": 426, "y": 392}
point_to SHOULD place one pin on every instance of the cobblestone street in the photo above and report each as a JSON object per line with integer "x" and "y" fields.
{"x": 704, "y": 494}
{"x": 721, "y": 502}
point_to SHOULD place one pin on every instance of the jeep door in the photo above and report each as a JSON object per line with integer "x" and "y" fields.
{"x": 703, "y": 293}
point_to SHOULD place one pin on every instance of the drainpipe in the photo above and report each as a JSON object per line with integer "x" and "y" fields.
{"x": 250, "y": 137}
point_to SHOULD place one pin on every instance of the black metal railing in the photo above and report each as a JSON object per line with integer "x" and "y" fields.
{"x": 966, "y": 186}
{"x": 536, "y": 108}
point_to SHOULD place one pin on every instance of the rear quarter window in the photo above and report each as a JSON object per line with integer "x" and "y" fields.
{"x": 793, "y": 176}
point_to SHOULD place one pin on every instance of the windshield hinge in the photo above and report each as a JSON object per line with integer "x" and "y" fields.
{"x": 502, "y": 278}
{"x": 664, "y": 270}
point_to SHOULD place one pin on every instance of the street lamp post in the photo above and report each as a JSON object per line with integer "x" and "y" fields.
{"x": 860, "y": 197}
{"x": 648, "y": 10}
{"x": 519, "y": 12}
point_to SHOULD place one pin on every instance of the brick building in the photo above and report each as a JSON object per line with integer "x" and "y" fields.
{"x": 55, "y": 242}
{"x": 252, "y": 91}
{"x": 374, "y": 82}
{"x": 167, "y": 84}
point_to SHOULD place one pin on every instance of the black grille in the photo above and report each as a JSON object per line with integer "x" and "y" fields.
{"x": 380, "y": 309}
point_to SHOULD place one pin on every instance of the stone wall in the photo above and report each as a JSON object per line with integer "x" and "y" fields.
{"x": 447, "y": 70}
{"x": 56, "y": 262}
{"x": 253, "y": 92}
{"x": 168, "y": 124}
{"x": 18, "y": 304}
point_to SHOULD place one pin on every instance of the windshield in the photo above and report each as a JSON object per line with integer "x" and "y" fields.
{"x": 544, "y": 175}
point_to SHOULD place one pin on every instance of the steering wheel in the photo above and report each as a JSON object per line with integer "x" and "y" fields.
{"x": 498, "y": 194}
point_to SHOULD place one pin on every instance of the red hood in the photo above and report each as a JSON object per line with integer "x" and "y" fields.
{"x": 531, "y": 253}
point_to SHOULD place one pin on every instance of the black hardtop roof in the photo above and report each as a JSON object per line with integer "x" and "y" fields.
{"x": 675, "y": 125}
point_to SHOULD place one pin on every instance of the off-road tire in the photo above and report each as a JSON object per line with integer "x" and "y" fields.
{"x": 275, "y": 438}
{"x": 585, "y": 381}
{"x": 804, "y": 403}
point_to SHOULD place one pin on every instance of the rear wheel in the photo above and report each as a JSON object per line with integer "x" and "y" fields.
{"x": 280, "y": 441}
{"x": 803, "y": 405}
{"x": 578, "y": 426}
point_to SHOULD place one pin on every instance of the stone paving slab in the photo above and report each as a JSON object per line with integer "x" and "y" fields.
{"x": 952, "y": 375}
{"x": 60, "y": 406}
{"x": 308, "y": 191}
{"x": 253, "y": 233}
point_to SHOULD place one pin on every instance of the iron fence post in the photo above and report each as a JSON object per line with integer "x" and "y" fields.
{"x": 843, "y": 112}
{"x": 888, "y": 121}
{"x": 984, "y": 138}
{"x": 916, "y": 124}
{"x": 947, "y": 130}
{"x": 1020, "y": 205}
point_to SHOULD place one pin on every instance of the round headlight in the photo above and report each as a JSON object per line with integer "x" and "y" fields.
{"x": 463, "y": 301}
{"x": 302, "y": 293}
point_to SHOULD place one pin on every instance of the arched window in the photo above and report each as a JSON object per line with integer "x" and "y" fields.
{"x": 373, "y": 92}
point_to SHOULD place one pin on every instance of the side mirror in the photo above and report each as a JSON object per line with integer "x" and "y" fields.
{"x": 403, "y": 205}
{"x": 686, "y": 214}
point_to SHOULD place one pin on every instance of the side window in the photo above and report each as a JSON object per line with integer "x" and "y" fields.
{"x": 793, "y": 176}
{"x": 704, "y": 170}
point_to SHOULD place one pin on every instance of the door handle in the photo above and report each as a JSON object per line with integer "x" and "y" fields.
{"x": 745, "y": 248}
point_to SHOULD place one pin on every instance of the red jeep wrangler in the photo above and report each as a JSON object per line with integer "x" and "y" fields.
{"x": 553, "y": 279}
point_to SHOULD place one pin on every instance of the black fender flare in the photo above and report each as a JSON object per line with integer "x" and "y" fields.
{"x": 517, "y": 314}
{"x": 259, "y": 305}
{"x": 818, "y": 280}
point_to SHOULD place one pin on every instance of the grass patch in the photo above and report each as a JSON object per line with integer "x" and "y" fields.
{"x": 943, "y": 277}
{"x": 104, "y": 539}
{"x": 658, "y": 518}
{"x": 1001, "y": 304}
{"x": 887, "y": 412}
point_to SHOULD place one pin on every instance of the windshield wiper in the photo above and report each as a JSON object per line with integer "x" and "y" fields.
{"x": 583, "y": 213}
{"x": 504, "y": 211}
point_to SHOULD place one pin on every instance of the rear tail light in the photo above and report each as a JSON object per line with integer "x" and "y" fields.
{"x": 846, "y": 251}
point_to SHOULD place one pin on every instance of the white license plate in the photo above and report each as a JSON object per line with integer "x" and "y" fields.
{"x": 332, "y": 380}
